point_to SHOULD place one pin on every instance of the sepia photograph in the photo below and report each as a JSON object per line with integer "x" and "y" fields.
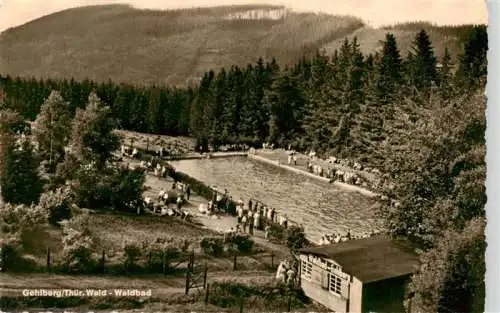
{"x": 244, "y": 156}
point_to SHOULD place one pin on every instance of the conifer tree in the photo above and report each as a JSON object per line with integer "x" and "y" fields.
{"x": 445, "y": 75}
{"x": 156, "y": 111}
{"x": 248, "y": 120}
{"x": 232, "y": 105}
{"x": 52, "y": 129}
{"x": 19, "y": 179}
{"x": 423, "y": 63}
{"x": 285, "y": 103}
{"x": 322, "y": 107}
{"x": 473, "y": 61}
{"x": 345, "y": 138}
{"x": 389, "y": 72}
{"x": 214, "y": 108}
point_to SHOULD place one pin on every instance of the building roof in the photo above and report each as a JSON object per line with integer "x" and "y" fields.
{"x": 371, "y": 259}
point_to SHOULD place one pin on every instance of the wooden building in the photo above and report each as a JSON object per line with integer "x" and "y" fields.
{"x": 366, "y": 275}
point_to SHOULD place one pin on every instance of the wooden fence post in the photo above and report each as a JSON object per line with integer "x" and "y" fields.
{"x": 205, "y": 275}
{"x": 48, "y": 259}
{"x": 187, "y": 282}
{"x": 147, "y": 144}
{"x": 103, "y": 261}
{"x": 164, "y": 263}
{"x": 149, "y": 261}
{"x": 207, "y": 291}
{"x": 3, "y": 259}
{"x": 234, "y": 261}
{"x": 289, "y": 303}
{"x": 241, "y": 304}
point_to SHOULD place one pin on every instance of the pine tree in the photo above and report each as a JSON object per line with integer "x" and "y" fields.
{"x": 156, "y": 111}
{"x": 346, "y": 137}
{"x": 322, "y": 105}
{"x": 122, "y": 105}
{"x": 285, "y": 103}
{"x": 248, "y": 121}
{"x": 423, "y": 63}
{"x": 473, "y": 61}
{"x": 52, "y": 128}
{"x": 215, "y": 109}
{"x": 19, "y": 179}
{"x": 445, "y": 75}
{"x": 232, "y": 105}
{"x": 389, "y": 72}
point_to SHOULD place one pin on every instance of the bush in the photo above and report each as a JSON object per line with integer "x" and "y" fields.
{"x": 276, "y": 233}
{"x": 216, "y": 246}
{"x": 295, "y": 238}
{"x": 212, "y": 246}
{"x": 271, "y": 296}
{"x": 15, "y": 218}
{"x": 57, "y": 203}
{"x": 132, "y": 254}
{"x": 243, "y": 243}
{"x": 113, "y": 187}
{"x": 127, "y": 187}
{"x": 77, "y": 244}
{"x": 172, "y": 247}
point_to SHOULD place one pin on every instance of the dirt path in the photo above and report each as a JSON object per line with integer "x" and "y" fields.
{"x": 12, "y": 284}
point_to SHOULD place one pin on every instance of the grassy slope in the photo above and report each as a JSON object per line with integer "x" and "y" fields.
{"x": 370, "y": 40}
{"x": 177, "y": 47}
{"x": 143, "y": 46}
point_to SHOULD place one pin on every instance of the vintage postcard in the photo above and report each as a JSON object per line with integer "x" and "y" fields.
{"x": 243, "y": 156}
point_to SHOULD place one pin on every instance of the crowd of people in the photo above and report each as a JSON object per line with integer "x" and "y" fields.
{"x": 337, "y": 237}
{"x": 168, "y": 202}
{"x": 252, "y": 215}
{"x": 331, "y": 172}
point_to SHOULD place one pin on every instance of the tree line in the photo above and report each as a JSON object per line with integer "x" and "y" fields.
{"x": 328, "y": 103}
{"x": 419, "y": 119}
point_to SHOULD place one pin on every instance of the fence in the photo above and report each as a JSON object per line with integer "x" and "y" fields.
{"x": 148, "y": 262}
{"x": 195, "y": 272}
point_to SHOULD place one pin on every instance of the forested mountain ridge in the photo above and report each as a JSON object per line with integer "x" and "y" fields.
{"x": 419, "y": 118}
{"x": 176, "y": 47}
{"x": 342, "y": 103}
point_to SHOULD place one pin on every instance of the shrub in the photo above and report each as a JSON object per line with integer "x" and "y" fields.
{"x": 172, "y": 247}
{"x": 11, "y": 252}
{"x": 243, "y": 243}
{"x": 15, "y": 218}
{"x": 212, "y": 246}
{"x": 112, "y": 187}
{"x": 295, "y": 237}
{"x": 127, "y": 187}
{"x": 77, "y": 244}
{"x": 270, "y": 296}
{"x": 132, "y": 254}
{"x": 276, "y": 233}
{"x": 57, "y": 203}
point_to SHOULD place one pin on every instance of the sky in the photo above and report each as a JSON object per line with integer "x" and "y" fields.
{"x": 375, "y": 12}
